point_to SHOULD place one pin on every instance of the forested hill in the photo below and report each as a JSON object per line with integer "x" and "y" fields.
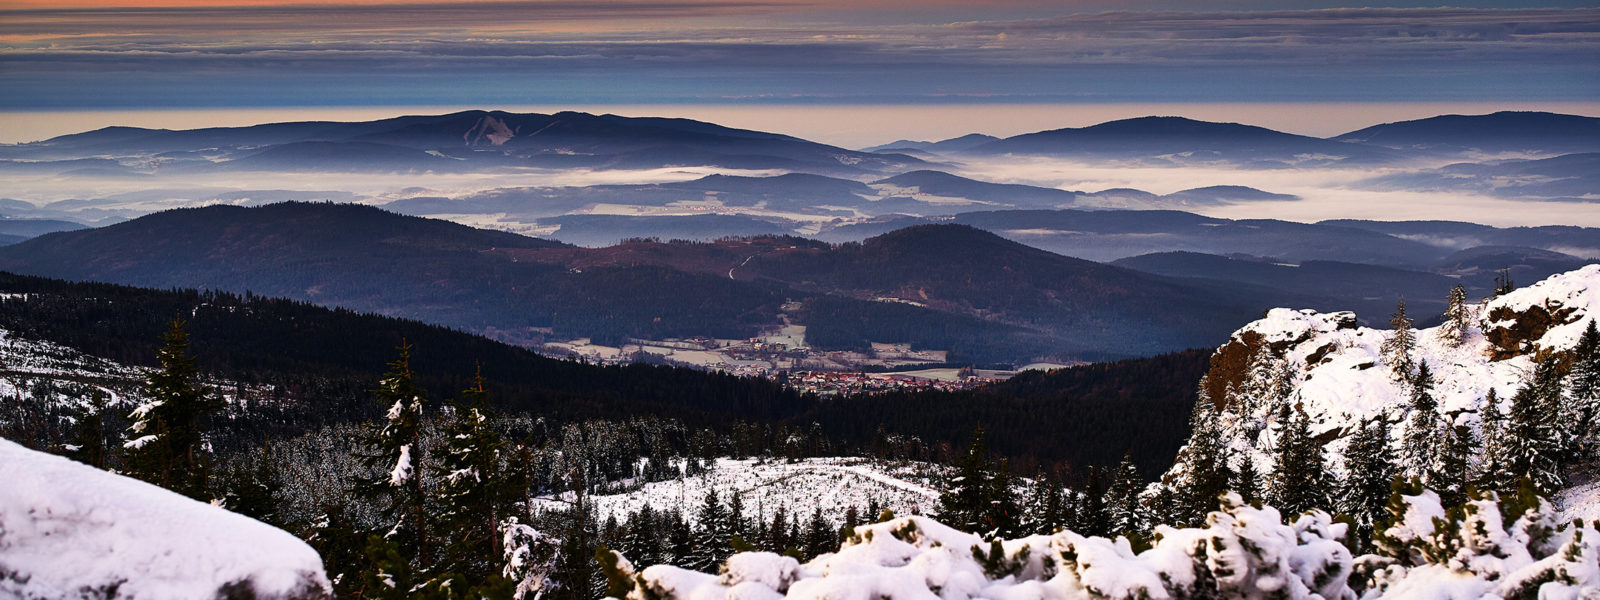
{"x": 1081, "y": 416}
{"x": 331, "y": 359}
{"x": 334, "y": 356}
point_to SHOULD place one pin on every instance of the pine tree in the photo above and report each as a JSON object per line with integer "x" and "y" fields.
{"x": 1420, "y": 446}
{"x": 1535, "y": 441}
{"x": 1246, "y": 481}
{"x": 1400, "y": 345}
{"x": 1206, "y": 474}
{"x": 1584, "y": 393}
{"x": 1122, "y": 499}
{"x": 1369, "y": 473}
{"x": 474, "y": 495}
{"x": 712, "y": 541}
{"x": 1456, "y": 315}
{"x": 1089, "y": 511}
{"x": 736, "y": 524}
{"x": 819, "y": 535}
{"x": 168, "y": 445}
{"x": 89, "y": 435}
{"x": 393, "y": 456}
{"x": 979, "y": 500}
{"x": 1045, "y": 506}
{"x": 1299, "y": 477}
{"x": 1503, "y": 284}
{"x": 1494, "y": 469}
{"x": 1452, "y": 466}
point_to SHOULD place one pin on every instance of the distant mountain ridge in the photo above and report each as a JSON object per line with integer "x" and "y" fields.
{"x": 1505, "y": 131}
{"x": 469, "y": 140}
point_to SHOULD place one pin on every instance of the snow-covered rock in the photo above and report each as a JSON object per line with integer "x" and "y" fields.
{"x": 68, "y": 530}
{"x": 1336, "y": 370}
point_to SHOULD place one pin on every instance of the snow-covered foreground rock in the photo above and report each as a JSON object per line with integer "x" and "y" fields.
{"x": 1243, "y": 552}
{"x": 71, "y": 531}
{"x": 832, "y": 485}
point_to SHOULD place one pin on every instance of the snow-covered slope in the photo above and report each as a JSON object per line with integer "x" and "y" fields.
{"x": 72, "y": 531}
{"x": 831, "y": 484}
{"x": 1336, "y": 370}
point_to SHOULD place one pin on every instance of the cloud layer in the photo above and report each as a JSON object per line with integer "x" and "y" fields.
{"x": 752, "y": 51}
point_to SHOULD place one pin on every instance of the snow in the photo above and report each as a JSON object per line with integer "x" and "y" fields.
{"x": 1243, "y": 552}
{"x": 1576, "y": 289}
{"x": 831, "y": 484}
{"x": 402, "y": 467}
{"x": 1349, "y": 383}
{"x": 1257, "y": 555}
{"x": 68, "y": 530}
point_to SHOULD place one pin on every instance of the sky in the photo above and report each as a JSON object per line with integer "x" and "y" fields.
{"x": 168, "y": 54}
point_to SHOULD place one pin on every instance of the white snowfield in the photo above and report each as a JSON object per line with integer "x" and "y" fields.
{"x": 1348, "y": 382}
{"x": 1243, "y": 553}
{"x": 799, "y": 488}
{"x": 68, "y": 530}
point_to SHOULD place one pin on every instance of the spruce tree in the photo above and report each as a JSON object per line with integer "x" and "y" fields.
{"x": 1398, "y": 347}
{"x": 1419, "y": 448}
{"x": 167, "y": 442}
{"x": 1122, "y": 499}
{"x": 1494, "y": 469}
{"x": 979, "y": 500}
{"x": 393, "y": 457}
{"x": 1456, "y": 316}
{"x": 1535, "y": 441}
{"x": 1299, "y": 477}
{"x": 819, "y": 535}
{"x": 89, "y": 435}
{"x": 1369, "y": 472}
{"x": 712, "y": 540}
{"x": 474, "y": 494}
{"x": 1246, "y": 481}
{"x": 1045, "y": 506}
{"x": 1206, "y": 475}
{"x": 1452, "y": 467}
{"x": 1584, "y": 393}
{"x": 1089, "y": 511}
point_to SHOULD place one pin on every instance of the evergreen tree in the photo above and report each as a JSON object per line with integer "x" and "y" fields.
{"x": 642, "y": 540}
{"x": 680, "y": 539}
{"x": 393, "y": 456}
{"x": 1398, "y": 347}
{"x": 474, "y": 495}
{"x": 1122, "y": 499}
{"x": 736, "y": 525}
{"x": 979, "y": 500}
{"x": 1300, "y": 480}
{"x": 1247, "y": 482}
{"x": 1494, "y": 469}
{"x": 1089, "y": 511}
{"x": 1503, "y": 284}
{"x": 1535, "y": 441}
{"x": 1452, "y": 467}
{"x": 1045, "y": 506}
{"x": 1420, "y": 447}
{"x": 819, "y": 535}
{"x": 1369, "y": 473}
{"x": 251, "y": 487}
{"x": 168, "y": 445}
{"x": 1584, "y": 391}
{"x": 1456, "y": 316}
{"x": 712, "y": 541}
{"x": 89, "y": 435}
{"x": 1206, "y": 473}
